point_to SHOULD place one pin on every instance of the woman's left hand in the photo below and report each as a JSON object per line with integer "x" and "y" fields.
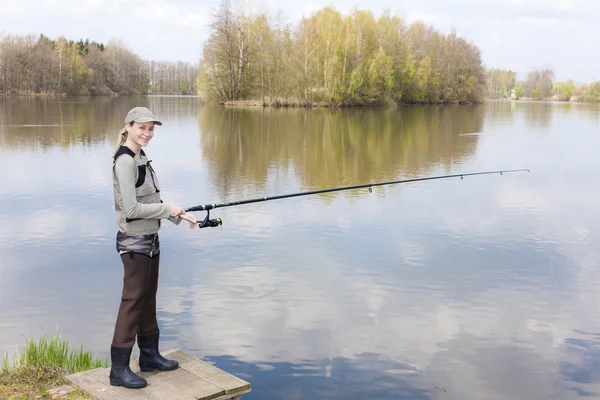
{"x": 190, "y": 218}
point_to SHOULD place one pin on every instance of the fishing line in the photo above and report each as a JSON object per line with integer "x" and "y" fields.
{"x": 562, "y": 313}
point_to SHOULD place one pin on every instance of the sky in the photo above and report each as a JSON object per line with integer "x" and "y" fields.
{"x": 511, "y": 34}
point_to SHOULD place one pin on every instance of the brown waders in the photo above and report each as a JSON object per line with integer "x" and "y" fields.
{"x": 137, "y": 317}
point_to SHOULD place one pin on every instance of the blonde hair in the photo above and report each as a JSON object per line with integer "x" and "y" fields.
{"x": 121, "y": 139}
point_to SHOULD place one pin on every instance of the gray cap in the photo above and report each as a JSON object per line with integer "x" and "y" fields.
{"x": 140, "y": 115}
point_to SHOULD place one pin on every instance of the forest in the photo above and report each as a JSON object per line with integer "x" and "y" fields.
{"x": 331, "y": 59}
{"x": 325, "y": 58}
{"x": 539, "y": 84}
{"x": 39, "y": 65}
{"x": 260, "y": 58}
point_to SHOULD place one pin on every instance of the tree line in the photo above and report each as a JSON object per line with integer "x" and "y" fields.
{"x": 540, "y": 84}
{"x": 333, "y": 59}
{"x": 325, "y": 58}
{"x": 39, "y": 65}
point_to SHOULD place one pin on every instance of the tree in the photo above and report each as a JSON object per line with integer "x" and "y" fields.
{"x": 539, "y": 83}
{"x": 500, "y": 83}
{"x": 563, "y": 90}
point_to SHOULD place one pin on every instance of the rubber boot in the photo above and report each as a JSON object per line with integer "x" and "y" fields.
{"x": 120, "y": 373}
{"x": 150, "y": 357}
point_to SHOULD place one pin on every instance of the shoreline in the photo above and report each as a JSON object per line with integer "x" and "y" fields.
{"x": 259, "y": 103}
{"x": 322, "y": 104}
{"x": 39, "y": 370}
{"x": 91, "y": 95}
{"x": 573, "y": 99}
{"x": 297, "y": 104}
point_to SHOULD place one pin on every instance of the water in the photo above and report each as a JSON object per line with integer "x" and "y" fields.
{"x": 485, "y": 287}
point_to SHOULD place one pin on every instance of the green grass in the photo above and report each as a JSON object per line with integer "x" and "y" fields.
{"x": 53, "y": 352}
{"x": 41, "y": 365}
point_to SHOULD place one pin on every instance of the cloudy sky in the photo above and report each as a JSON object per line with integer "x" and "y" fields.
{"x": 512, "y": 34}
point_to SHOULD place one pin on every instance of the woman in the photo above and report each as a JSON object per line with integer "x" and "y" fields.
{"x": 139, "y": 210}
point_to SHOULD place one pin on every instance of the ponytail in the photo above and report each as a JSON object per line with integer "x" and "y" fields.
{"x": 121, "y": 139}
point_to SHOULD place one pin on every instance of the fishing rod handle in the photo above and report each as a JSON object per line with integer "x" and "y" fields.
{"x": 196, "y": 208}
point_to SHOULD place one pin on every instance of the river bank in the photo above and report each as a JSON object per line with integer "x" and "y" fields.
{"x": 38, "y": 370}
{"x": 572, "y": 99}
{"x": 295, "y": 103}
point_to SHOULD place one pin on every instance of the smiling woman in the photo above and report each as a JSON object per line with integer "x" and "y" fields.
{"x": 139, "y": 209}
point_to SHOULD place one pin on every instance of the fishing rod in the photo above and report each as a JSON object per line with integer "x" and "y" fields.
{"x": 218, "y": 222}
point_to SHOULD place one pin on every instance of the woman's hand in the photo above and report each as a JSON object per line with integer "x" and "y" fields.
{"x": 176, "y": 210}
{"x": 190, "y": 218}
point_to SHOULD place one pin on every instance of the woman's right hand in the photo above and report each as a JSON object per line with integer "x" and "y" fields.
{"x": 176, "y": 210}
{"x": 191, "y": 219}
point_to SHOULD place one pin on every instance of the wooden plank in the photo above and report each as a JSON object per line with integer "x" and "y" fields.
{"x": 162, "y": 390}
{"x": 231, "y": 396}
{"x": 190, "y": 384}
{"x": 100, "y": 390}
{"x": 198, "y": 387}
{"x": 102, "y": 375}
{"x": 168, "y": 385}
{"x": 231, "y": 384}
{"x": 193, "y": 380}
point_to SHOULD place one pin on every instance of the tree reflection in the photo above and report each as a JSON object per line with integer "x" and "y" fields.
{"x": 32, "y": 122}
{"x": 326, "y": 148}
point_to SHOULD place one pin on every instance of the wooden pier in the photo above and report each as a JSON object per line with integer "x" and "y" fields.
{"x": 193, "y": 380}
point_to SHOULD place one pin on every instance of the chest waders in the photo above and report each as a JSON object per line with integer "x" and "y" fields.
{"x": 140, "y": 255}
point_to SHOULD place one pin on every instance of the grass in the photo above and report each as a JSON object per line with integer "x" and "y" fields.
{"x": 41, "y": 365}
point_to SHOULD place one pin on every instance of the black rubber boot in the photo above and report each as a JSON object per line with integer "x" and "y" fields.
{"x": 120, "y": 373}
{"x": 150, "y": 357}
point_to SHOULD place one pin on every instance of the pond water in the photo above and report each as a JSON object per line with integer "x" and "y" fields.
{"x": 485, "y": 287}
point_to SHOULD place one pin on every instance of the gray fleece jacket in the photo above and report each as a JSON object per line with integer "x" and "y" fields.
{"x": 138, "y": 205}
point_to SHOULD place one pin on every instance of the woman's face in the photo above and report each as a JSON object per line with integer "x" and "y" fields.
{"x": 141, "y": 133}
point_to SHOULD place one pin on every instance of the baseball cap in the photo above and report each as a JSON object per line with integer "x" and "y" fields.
{"x": 140, "y": 115}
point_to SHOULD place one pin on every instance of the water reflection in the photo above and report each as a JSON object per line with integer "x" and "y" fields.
{"x": 32, "y": 122}
{"x": 582, "y": 366}
{"x": 538, "y": 115}
{"x": 368, "y": 376}
{"x": 325, "y": 148}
